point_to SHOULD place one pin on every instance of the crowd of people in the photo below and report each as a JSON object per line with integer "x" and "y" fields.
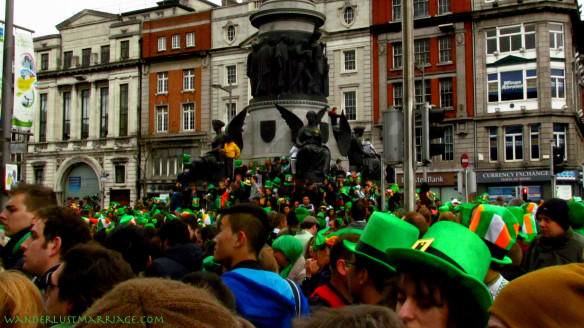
{"x": 267, "y": 250}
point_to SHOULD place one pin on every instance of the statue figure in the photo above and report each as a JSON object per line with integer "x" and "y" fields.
{"x": 282, "y": 60}
{"x": 313, "y": 158}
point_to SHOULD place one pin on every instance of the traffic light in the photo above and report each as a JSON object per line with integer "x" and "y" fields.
{"x": 558, "y": 159}
{"x": 430, "y": 131}
{"x": 524, "y": 193}
{"x": 393, "y": 136}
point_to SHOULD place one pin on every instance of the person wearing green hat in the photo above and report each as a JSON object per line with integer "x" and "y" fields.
{"x": 495, "y": 225}
{"x": 440, "y": 278}
{"x": 288, "y": 252}
{"x": 288, "y": 180}
{"x": 370, "y": 267}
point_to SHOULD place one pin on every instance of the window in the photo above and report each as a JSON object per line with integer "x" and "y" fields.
{"x": 350, "y": 104}
{"x": 66, "y": 115}
{"x": 120, "y": 174}
{"x": 230, "y": 33}
{"x": 160, "y": 14}
{"x": 445, "y": 49}
{"x": 448, "y": 141}
{"x": 189, "y": 117}
{"x": 556, "y": 36}
{"x": 161, "y": 118}
{"x": 231, "y": 109}
{"x": 398, "y": 95}
{"x": 68, "y": 61}
{"x": 189, "y": 79}
{"x": 43, "y": 119}
{"x": 125, "y": 49}
{"x": 84, "y": 114}
{"x": 85, "y": 56}
{"x": 231, "y": 74}
{"x": 418, "y": 141}
{"x": 493, "y": 144}
{"x": 534, "y": 139}
{"x": 349, "y": 15}
{"x": 397, "y": 55}
{"x": 176, "y": 41}
{"x": 514, "y": 143}
{"x": 162, "y": 82}
{"x": 396, "y": 9}
{"x": 123, "y": 110}
{"x": 38, "y": 175}
{"x": 103, "y": 111}
{"x": 421, "y": 93}
{"x": 446, "y": 93}
{"x": 558, "y": 83}
{"x": 44, "y": 62}
{"x": 443, "y": 6}
{"x": 514, "y": 85}
{"x": 349, "y": 60}
{"x": 105, "y": 54}
{"x": 421, "y": 8}
{"x": 510, "y": 38}
{"x": 161, "y": 43}
{"x": 422, "y": 52}
{"x": 190, "y": 39}
{"x": 560, "y": 132}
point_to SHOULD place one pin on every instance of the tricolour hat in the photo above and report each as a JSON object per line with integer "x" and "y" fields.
{"x": 495, "y": 225}
{"x": 465, "y": 210}
{"x": 456, "y": 252}
{"x": 288, "y": 180}
{"x": 383, "y": 231}
{"x": 196, "y": 202}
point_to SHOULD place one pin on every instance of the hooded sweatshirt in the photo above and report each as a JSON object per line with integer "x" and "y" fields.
{"x": 263, "y": 297}
{"x": 177, "y": 261}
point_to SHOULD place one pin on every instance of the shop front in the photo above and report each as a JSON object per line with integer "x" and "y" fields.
{"x": 510, "y": 183}
{"x": 444, "y": 184}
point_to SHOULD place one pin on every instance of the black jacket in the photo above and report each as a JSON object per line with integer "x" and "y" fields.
{"x": 11, "y": 259}
{"x": 177, "y": 261}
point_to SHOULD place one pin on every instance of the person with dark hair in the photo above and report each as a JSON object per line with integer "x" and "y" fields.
{"x": 358, "y": 212}
{"x": 369, "y": 269}
{"x": 440, "y": 278}
{"x": 16, "y": 219}
{"x": 309, "y": 227}
{"x": 53, "y": 234}
{"x": 262, "y": 297}
{"x": 418, "y": 220}
{"x": 131, "y": 242}
{"x": 354, "y": 316}
{"x": 180, "y": 255}
{"x": 212, "y": 283}
{"x": 87, "y": 273}
{"x": 557, "y": 243}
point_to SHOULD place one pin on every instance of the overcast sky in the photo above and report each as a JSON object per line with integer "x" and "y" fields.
{"x": 41, "y": 16}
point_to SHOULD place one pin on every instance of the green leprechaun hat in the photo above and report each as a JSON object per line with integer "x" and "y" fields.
{"x": 495, "y": 225}
{"x": 268, "y": 184}
{"x": 383, "y": 231}
{"x": 186, "y": 159}
{"x": 465, "y": 210}
{"x": 196, "y": 202}
{"x": 456, "y": 253}
{"x": 277, "y": 182}
{"x": 238, "y": 163}
{"x": 288, "y": 180}
{"x": 576, "y": 214}
{"x": 301, "y": 213}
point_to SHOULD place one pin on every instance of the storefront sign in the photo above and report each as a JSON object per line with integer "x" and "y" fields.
{"x": 567, "y": 176}
{"x": 433, "y": 178}
{"x": 513, "y": 176}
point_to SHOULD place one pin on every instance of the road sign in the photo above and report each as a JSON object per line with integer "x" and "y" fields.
{"x": 464, "y": 160}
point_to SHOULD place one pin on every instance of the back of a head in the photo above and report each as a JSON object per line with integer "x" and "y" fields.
{"x": 339, "y": 251}
{"x": 168, "y": 303}
{"x": 252, "y": 220}
{"x": 418, "y": 220}
{"x": 358, "y": 211}
{"x": 90, "y": 270}
{"x": 37, "y": 196}
{"x": 352, "y": 316}
{"x": 19, "y": 297}
{"x": 212, "y": 283}
{"x": 516, "y": 202}
{"x": 175, "y": 232}
{"x": 65, "y": 223}
{"x": 131, "y": 242}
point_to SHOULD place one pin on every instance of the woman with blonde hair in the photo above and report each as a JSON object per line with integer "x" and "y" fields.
{"x": 20, "y": 301}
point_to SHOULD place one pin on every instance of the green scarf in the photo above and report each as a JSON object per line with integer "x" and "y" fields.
{"x": 292, "y": 249}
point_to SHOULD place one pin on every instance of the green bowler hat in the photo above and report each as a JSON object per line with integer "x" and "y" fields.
{"x": 454, "y": 251}
{"x": 277, "y": 182}
{"x": 496, "y": 226}
{"x": 383, "y": 231}
{"x": 238, "y": 163}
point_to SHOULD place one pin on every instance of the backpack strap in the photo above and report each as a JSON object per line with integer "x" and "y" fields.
{"x": 296, "y": 294}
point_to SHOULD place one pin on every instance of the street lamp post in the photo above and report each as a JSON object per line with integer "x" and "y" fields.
{"x": 229, "y": 90}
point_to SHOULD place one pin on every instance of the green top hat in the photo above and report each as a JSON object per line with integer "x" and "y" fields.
{"x": 495, "y": 225}
{"x": 383, "y": 231}
{"x": 301, "y": 213}
{"x": 457, "y": 253}
{"x": 186, "y": 159}
{"x": 211, "y": 186}
{"x": 196, "y": 202}
{"x": 277, "y": 182}
{"x": 268, "y": 184}
{"x": 238, "y": 163}
{"x": 288, "y": 180}
{"x": 576, "y": 214}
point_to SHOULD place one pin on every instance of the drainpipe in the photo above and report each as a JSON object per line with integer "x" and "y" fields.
{"x": 139, "y": 134}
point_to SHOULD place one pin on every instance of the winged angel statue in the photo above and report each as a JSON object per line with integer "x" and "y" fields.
{"x": 313, "y": 158}
{"x": 213, "y": 165}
